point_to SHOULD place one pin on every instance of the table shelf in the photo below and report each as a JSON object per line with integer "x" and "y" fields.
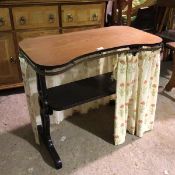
{"x": 78, "y": 92}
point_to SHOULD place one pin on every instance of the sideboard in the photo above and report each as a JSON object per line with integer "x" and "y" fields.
{"x": 21, "y": 19}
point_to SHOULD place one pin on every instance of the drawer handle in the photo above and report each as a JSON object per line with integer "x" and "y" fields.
{"x": 70, "y": 18}
{"x": 94, "y": 17}
{"x": 22, "y": 20}
{"x": 51, "y": 18}
{"x": 13, "y": 60}
{"x": 2, "y": 22}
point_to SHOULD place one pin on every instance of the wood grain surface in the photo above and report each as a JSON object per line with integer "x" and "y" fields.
{"x": 57, "y": 50}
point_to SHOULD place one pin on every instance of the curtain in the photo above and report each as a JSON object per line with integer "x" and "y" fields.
{"x": 136, "y": 90}
{"x": 136, "y": 93}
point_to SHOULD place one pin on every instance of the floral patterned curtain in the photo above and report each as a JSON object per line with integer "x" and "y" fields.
{"x": 136, "y": 93}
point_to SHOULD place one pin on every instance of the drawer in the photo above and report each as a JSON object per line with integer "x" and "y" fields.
{"x": 35, "y": 17}
{"x": 4, "y": 19}
{"x": 79, "y": 15}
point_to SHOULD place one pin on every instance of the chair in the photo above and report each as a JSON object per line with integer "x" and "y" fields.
{"x": 165, "y": 19}
{"x": 171, "y": 83}
{"x": 118, "y": 6}
{"x": 145, "y": 19}
{"x": 164, "y": 26}
{"x": 167, "y": 36}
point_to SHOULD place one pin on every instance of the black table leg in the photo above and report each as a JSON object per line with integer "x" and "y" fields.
{"x": 45, "y": 111}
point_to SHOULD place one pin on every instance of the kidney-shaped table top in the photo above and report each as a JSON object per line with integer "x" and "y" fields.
{"x": 55, "y": 50}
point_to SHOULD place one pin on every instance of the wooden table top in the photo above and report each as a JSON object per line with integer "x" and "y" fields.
{"x": 55, "y": 50}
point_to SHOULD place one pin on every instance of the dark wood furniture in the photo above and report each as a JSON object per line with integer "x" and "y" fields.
{"x": 165, "y": 21}
{"x": 165, "y": 15}
{"x": 167, "y": 36}
{"x": 118, "y": 6}
{"x": 21, "y": 19}
{"x": 51, "y": 55}
{"x": 171, "y": 83}
{"x": 169, "y": 39}
{"x": 169, "y": 3}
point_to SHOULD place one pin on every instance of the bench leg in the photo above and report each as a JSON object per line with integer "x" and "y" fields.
{"x": 44, "y": 129}
{"x": 171, "y": 83}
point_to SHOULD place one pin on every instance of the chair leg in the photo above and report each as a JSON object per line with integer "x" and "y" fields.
{"x": 165, "y": 53}
{"x": 129, "y": 11}
{"x": 44, "y": 129}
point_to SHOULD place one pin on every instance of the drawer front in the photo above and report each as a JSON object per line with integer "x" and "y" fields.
{"x": 79, "y": 15}
{"x": 4, "y": 19}
{"x": 35, "y": 17}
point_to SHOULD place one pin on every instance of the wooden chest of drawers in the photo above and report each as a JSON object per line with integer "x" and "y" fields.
{"x": 31, "y": 18}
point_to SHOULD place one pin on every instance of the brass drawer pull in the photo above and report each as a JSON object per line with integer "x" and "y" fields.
{"x": 22, "y": 20}
{"x": 51, "y": 18}
{"x": 94, "y": 17}
{"x": 13, "y": 60}
{"x": 70, "y": 18}
{"x": 2, "y": 22}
